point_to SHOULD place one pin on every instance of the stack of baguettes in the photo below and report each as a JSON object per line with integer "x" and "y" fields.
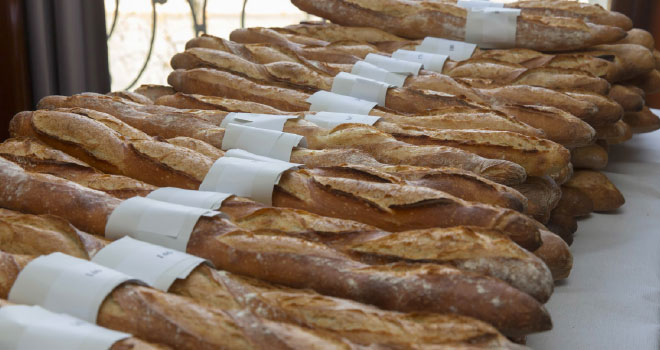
{"x": 430, "y": 229}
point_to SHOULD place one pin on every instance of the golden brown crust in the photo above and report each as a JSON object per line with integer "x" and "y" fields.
{"x": 558, "y": 125}
{"x": 649, "y": 82}
{"x": 589, "y": 157}
{"x": 588, "y": 12}
{"x": 604, "y": 195}
{"x": 639, "y": 37}
{"x": 542, "y": 195}
{"x": 153, "y": 92}
{"x": 628, "y": 98}
{"x": 556, "y": 254}
{"x": 382, "y": 146}
{"x": 224, "y": 244}
{"x": 392, "y": 206}
{"x": 417, "y": 20}
{"x": 642, "y": 121}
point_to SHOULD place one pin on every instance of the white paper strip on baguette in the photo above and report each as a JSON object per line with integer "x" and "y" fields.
{"x": 246, "y": 174}
{"x": 370, "y": 71}
{"x": 165, "y": 224}
{"x": 26, "y": 327}
{"x": 263, "y": 142}
{"x": 471, "y": 4}
{"x": 331, "y": 102}
{"x": 456, "y": 50}
{"x": 257, "y": 120}
{"x": 429, "y": 61}
{"x": 363, "y": 88}
{"x": 191, "y": 198}
{"x": 492, "y": 28}
{"x": 155, "y": 265}
{"x": 62, "y": 283}
{"x": 393, "y": 65}
{"x": 329, "y": 120}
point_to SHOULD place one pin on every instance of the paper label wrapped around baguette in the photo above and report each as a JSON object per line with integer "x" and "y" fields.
{"x": 191, "y": 198}
{"x": 430, "y": 61}
{"x": 165, "y": 224}
{"x": 32, "y": 327}
{"x": 359, "y": 87}
{"x": 331, "y": 102}
{"x": 257, "y": 120}
{"x": 248, "y": 176}
{"x": 475, "y": 4}
{"x": 393, "y": 65}
{"x": 456, "y": 50}
{"x": 329, "y": 120}
{"x": 155, "y": 265}
{"x": 264, "y": 142}
{"x": 492, "y": 28}
{"x": 62, "y": 283}
{"x": 368, "y": 70}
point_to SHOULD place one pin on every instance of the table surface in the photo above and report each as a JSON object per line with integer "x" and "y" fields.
{"x": 612, "y": 298}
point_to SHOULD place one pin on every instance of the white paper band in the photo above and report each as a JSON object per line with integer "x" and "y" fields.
{"x": 25, "y": 327}
{"x": 456, "y": 50}
{"x": 155, "y": 265}
{"x": 264, "y": 142}
{"x": 255, "y": 120}
{"x": 430, "y": 61}
{"x": 492, "y": 27}
{"x": 368, "y": 70}
{"x": 331, "y": 102}
{"x": 475, "y": 4}
{"x": 165, "y": 224}
{"x": 245, "y": 177}
{"x": 329, "y": 120}
{"x": 243, "y": 154}
{"x": 191, "y": 198}
{"x": 359, "y": 87}
{"x": 62, "y": 283}
{"x": 394, "y": 65}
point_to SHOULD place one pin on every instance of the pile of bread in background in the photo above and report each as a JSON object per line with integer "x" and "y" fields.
{"x": 439, "y": 218}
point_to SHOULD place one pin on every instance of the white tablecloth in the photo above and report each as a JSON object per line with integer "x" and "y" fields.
{"x": 612, "y": 298}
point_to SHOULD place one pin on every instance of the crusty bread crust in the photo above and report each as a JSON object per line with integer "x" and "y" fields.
{"x": 418, "y": 19}
{"x": 267, "y": 256}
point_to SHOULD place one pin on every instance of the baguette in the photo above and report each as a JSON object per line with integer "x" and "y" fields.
{"x": 362, "y": 137}
{"x": 588, "y": 12}
{"x": 556, "y": 252}
{"x": 153, "y": 92}
{"x": 609, "y": 111}
{"x": 253, "y": 216}
{"x": 213, "y": 82}
{"x": 297, "y": 263}
{"x": 573, "y": 204}
{"x": 603, "y": 194}
{"x": 503, "y": 73}
{"x": 639, "y": 36}
{"x": 649, "y": 82}
{"x": 634, "y": 60}
{"x": 589, "y": 157}
{"x": 642, "y": 121}
{"x": 132, "y": 96}
{"x": 182, "y": 323}
{"x": 559, "y": 126}
{"x": 130, "y": 343}
{"x": 296, "y": 74}
{"x": 548, "y": 157}
{"x": 390, "y": 206}
{"x": 463, "y": 184}
{"x": 416, "y": 20}
{"x": 628, "y": 98}
{"x": 615, "y": 133}
{"x": 542, "y": 195}
{"x": 45, "y": 234}
{"x": 42, "y": 158}
{"x": 447, "y": 118}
